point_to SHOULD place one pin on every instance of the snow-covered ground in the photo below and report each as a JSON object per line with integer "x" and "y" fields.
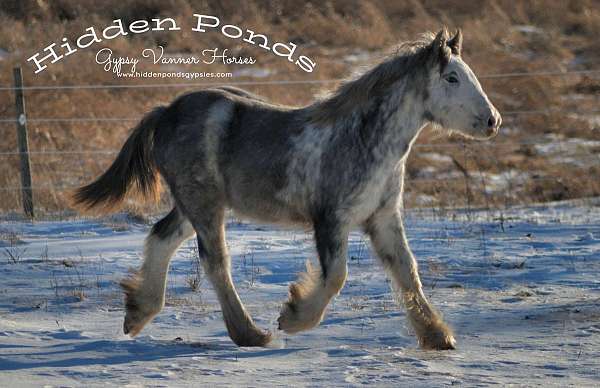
{"x": 521, "y": 290}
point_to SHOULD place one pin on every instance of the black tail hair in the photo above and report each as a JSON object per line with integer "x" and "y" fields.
{"x": 133, "y": 167}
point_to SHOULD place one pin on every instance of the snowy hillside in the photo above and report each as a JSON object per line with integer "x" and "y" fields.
{"x": 521, "y": 291}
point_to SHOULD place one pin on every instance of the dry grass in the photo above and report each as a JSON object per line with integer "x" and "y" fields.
{"x": 498, "y": 39}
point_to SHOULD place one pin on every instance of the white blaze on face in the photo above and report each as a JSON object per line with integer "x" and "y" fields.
{"x": 457, "y": 101}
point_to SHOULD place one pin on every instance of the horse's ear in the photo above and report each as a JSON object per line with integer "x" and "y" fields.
{"x": 439, "y": 49}
{"x": 439, "y": 42}
{"x": 455, "y": 43}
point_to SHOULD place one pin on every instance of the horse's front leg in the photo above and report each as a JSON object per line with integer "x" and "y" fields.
{"x": 389, "y": 240}
{"x": 311, "y": 294}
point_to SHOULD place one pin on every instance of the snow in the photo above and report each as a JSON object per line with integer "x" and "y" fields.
{"x": 359, "y": 56}
{"x": 436, "y": 157}
{"x": 503, "y": 181}
{"x": 529, "y": 29}
{"x": 561, "y": 145}
{"x": 4, "y": 54}
{"x": 521, "y": 288}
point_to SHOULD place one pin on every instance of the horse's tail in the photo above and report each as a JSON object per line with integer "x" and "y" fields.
{"x": 134, "y": 167}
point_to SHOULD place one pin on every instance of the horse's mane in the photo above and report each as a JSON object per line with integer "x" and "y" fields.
{"x": 413, "y": 58}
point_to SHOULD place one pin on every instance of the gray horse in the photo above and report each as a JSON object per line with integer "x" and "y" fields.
{"x": 333, "y": 165}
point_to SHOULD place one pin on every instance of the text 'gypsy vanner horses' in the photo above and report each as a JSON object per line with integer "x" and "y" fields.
{"x": 334, "y": 165}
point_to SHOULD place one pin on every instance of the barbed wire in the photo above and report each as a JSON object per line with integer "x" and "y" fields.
{"x": 540, "y": 74}
{"x": 424, "y": 180}
{"x": 71, "y": 119}
{"x": 136, "y": 119}
{"x": 476, "y": 144}
{"x": 556, "y": 73}
{"x": 486, "y": 180}
{"x": 58, "y": 152}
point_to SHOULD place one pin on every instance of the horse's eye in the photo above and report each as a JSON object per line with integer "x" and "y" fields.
{"x": 452, "y": 79}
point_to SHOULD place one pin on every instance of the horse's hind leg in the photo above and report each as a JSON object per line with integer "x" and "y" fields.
{"x": 210, "y": 228}
{"x": 145, "y": 289}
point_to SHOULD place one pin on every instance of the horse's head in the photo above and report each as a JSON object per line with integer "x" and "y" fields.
{"x": 456, "y": 100}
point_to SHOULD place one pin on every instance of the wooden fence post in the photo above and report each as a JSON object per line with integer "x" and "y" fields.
{"x": 26, "y": 188}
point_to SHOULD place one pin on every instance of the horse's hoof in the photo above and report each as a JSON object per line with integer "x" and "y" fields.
{"x": 438, "y": 341}
{"x": 132, "y": 327}
{"x": 252, "y": 338}
{"x": 296, "y": 317}
{"x": 288, "y": 319}
{"x": 138, "y": 310}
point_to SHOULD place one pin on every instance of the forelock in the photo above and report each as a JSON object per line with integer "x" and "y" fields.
{"x": 435, "y": 54}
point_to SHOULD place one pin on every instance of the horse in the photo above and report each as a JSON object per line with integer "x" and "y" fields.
{"x": 332, "y": 166}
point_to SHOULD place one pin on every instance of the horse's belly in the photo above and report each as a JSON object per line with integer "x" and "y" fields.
{"x": 266, "y": 209}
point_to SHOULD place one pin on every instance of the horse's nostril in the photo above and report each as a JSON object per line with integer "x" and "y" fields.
{"x": 491, "y": 122}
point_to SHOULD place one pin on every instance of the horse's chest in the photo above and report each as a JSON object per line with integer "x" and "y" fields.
{"x": 369, "y": 197}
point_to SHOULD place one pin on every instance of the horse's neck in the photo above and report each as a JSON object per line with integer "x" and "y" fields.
{"x": 401, "y": 120}
{"x": 380, "y": 131}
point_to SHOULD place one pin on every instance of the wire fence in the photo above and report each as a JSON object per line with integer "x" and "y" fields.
{"x": 536, "y": 141}
{"x": 478, "y": 180}
{"x": 269, "y": 83}
{"x": 5, "y": 120}
{"x": 472, "y": 180}
{"x": 556, "y": 73}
